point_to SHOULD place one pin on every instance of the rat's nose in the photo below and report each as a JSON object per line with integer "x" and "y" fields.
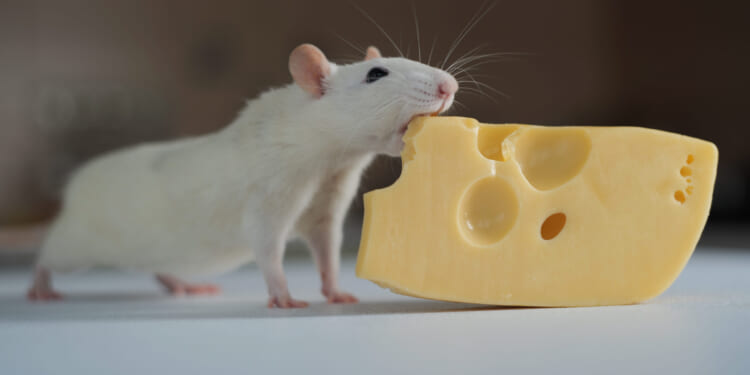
{"x": 447, "y": 87}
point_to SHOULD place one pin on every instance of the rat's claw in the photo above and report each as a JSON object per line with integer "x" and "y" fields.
{"x": 341, "y": 297}
{"x": 206, "y": 289}
{"x": 286, "y": 303}
{"x": 36, "y": 294}
{"x": 194, "y": 289}
{"x": 177, "y": 287}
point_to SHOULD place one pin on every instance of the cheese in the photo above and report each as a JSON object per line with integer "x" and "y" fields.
{"x": 537, "y": 216}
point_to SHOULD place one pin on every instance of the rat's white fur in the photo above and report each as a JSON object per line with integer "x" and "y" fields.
{"x": 289, "y": 164}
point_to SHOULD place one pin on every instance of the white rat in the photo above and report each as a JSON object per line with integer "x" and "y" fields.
{"x": 288, "y": 165}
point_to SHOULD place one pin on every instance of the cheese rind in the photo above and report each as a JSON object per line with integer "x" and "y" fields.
{"x": 537, "y": 216}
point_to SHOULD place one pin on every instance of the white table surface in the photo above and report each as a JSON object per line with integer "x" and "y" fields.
{"x": 114, "y": 323}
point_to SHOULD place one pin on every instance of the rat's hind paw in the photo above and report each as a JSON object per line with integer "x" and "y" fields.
{"x": 201, "y": 289}
{"x": 177, "y": 287}
{"x": 41, "y": 289}
{"x": 286, "y": 303}
{"x": 40, "y": 294}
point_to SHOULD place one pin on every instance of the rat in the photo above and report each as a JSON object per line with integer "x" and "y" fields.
{"x": 288, "y": 166}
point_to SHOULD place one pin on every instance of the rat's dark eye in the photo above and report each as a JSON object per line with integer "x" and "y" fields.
{"x": 375, "y": 74}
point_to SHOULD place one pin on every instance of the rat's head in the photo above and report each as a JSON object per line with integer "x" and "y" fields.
{"x": 374, "y": 100}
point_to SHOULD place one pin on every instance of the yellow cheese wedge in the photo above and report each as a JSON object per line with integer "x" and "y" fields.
{"x": 537, "y": 216}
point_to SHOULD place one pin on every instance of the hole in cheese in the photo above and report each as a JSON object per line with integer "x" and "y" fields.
{"x": 686, "y": 171}
{"x": 488, "y": 211}
{"x": 553, "y": 225}
{"x": 690, "y": 159}
{"x": 679, "y": 196}
{"x": 490, "y": 140}
{"x": 551, "y": 157}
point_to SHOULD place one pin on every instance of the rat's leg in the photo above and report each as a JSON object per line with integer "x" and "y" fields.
{"x": 270, "y": 261}
{"x": 321, "y": 225}
{"x": 325, "y": 242}
{"x": 178, "y": 287}
{"x": 41, "y": 288}
{"x": 266, "y": 224}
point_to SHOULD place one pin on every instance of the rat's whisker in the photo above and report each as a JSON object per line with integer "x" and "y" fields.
{"x": 482, "y": 59}
{"x": 467, "y": 29}
{"x": 369, "y": 18}
{"x": 466, "y": 61}
{"x": 349, "y": 59}
{"x": 476, "y": 86}
{"x": 394, "y": 99}
{"x": 471, "y": 78}
{"x": 465, "y": 72}
{"x": 471, "y": 68}
{"x": 432, "y": 49}
{"x": 473, "y": 91}
{"x": 384, "y": 107}
{"x": 496, "y": 91}
{"x": 489, "y": 57}
{"x": 416, "y": 26}
{"x": 475, "y": 75}
{"x": 453, "y": 45}
{"x": 462, "y": 58}
{"x": 350, "y": 44}
{"x": 479, "y": 85}
{"x": 460, "y": 104}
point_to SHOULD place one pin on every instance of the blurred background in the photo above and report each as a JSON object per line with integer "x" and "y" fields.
{"x": 79, "y": 78}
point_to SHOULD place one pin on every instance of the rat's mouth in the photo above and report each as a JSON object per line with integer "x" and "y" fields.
{"x": 402, "y": 130}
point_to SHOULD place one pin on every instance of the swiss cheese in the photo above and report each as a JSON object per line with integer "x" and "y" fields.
{"x": 537, "y": 216}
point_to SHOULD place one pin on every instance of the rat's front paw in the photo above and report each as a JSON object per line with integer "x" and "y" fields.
{"x": 286, "y": 302}
{"x": 340, "y": 297}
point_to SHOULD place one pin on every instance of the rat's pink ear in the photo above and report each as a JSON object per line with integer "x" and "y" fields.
{"x": 372, "y": 53}
{"x": 309, "y": 68}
